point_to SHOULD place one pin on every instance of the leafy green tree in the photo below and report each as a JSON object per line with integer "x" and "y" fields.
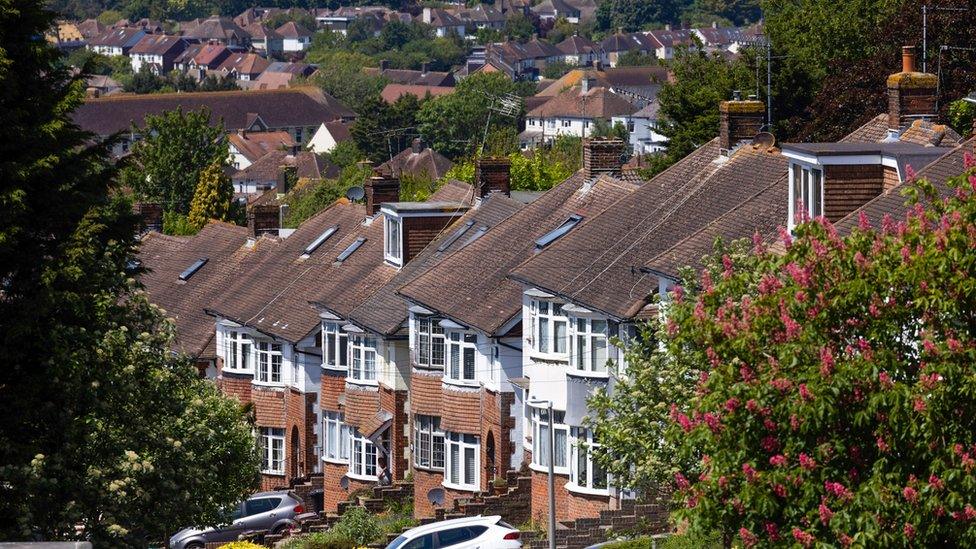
{"x": 176, "y": 147}
{"x": 634, "y": 58}
{"x": 519, "y": 27}
{"x": 144, "y": 81}
{"x": 109, "y": 17}
{"x": 730, "y": 12}
{"x": 557, "y": 69}
{"x": 603, "y": 128}
{"x": 369, "y": 129}
{"x": 634, "y": 15}
{"x": 107, "y": 436}
{"x": 213, "y": 82}
{"x": 961, "y": 116}
{"x": 340, "y": 75}
{"x": 345, "y": 153}
{"x": 213, "y": 197}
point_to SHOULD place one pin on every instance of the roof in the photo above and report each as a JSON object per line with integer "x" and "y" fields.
{"x": 267, "y": 167}
{"x": 394, "y": 91}
{"x": 339, "y": 131}
{"x": 118, "y": 38}
{"x": 210, "y": 55}
{"x": 260, "y": 31}
{"x": 245, "y": 63}
{"x": 598, "y": 264}
{"x": 90, "y": 28}
{"x": 426, "y": 163}
{"x": 216, "y": 28}
{"x": 385, "y": 311}
{"x": 254, "y": 145}
{"x": 292, "y": 29}
{"x": 415, "y": 77}
{"x": 158, "y": 44}
{"x": 575, "y": 45}
{"x": 645, "y": 80}
{"x": 597, "y": 103}
{"x": 472, "y": 285}
{"x": 302, "y": 106}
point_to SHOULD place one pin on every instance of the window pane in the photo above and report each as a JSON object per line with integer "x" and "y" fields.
{"x": 581, "y": 352}
{"x": 468, "y": 363}
{"x": 469, "y": 466}
{"x": 561, "y": 448}
{"x": 437, "y": 344}
{"x": 797, "y": 188}
{"x": 370, "y": 368}
{"x": 544, "y": 445}
{"x": 343, "y": 350}
{"x": 370, "y": 459}
{"x": 581, "y": 455}
{"x": 455, "y": 361}
{"x": 437, "y": 459}
{"x": 599, "y": 327}
{"x": 561, "y": 332}
{"x": 544, "y": 335}
{"x": 817, "y": 190}
{"x": 599, "y": 476}
{"x": 455, "y": 464}
{"x": 599, "y": 354}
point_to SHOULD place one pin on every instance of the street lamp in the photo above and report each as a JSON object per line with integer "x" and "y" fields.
{"x": 547, "y": 404}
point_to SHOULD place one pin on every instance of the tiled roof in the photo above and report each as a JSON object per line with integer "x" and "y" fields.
{"x": 90, "y": 28}
{"x": 427, "y": 163}
{"x": 414, "y": 77}
{"x": 259, "y": 31}
{"x": 217, "y": 28}
{"x": 266, "y": 168}
{"x": 158, "y": 44}
{"x": 575, "y": 45}
{"x": 245, "y": 63}
{"x": 254, "y": 145}
{"x": 394, "y": 91}
{"x": 598, "y": 264}
{"x": 292, "y": 29}
{"x": 304, "y": 106}
{"x": 597, "y": 103}
{"x": 617, "y": 77}
{"x": 117, "y": 38}
{"x": 472, "y": 285}
{"x": 339, "y": 131}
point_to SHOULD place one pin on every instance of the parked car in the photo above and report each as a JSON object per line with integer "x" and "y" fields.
{"x": 273, "y": 511}
{"x": 463, "y": 533}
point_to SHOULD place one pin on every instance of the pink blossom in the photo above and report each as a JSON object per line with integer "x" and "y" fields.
{"x": 731, "y": 404}
{"x": 826, "y": 361}
{"x": 919, "y": 404}
{"x": 785, "y": 236}
{"x": 672, "y": 327}
{"x": 779, "y": 490}
{"x": 758, "y": 248}
{"x": 906, "y": 254}
{"x": 807, "y": 462}
{"x": 769, "y": 284}
{"x": 967, "y": 160}
{"x": 803, "y": 538}
{"x": 712, "y": 421}
{"x": 968, "y": 462}
{"x": 679, "y": 294}
{"x": 723, "y": 482}
{"x": 746, "y": 373}
{"x": 909, "y": 173}
{"x": 770, "y": 444}
{"x": 882, "y": 445}
{"x": 769, "y": 424}
{"x": 805, "y": 393}
{"x": 838, "y": 490}
{"x": 861, "y": 261}
{"x": 772, "y": 530}
{"x": 706, "y": 280}
{"x": 794, "y": 422}
{"x": 910, "y": 494}
{"x": 748, "y": 538}
{"x": 825, "y": 514}
{"x": 727, "y": 265}
{"x": 681, "y": 481}
{"x": 692, "y": 502}
{"x": 800, "y": 275}
{"x": 954, "y": 345}
{"x": 909, "y": 530}
{"x": 970, "y": 512}
{"x": 845, "y": 540}
{"x": 935, "y": 482}
{"x": 781, "y": 384}
{"x": 779, "y": 460}
{"x": 712, "y": 357}
{"x": 752, "y": 405}
{"x": 885, "y": 380}
{"x": 749, "y": 472}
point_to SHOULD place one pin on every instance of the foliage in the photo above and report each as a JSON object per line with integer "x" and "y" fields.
{"x": 109, "y": 17}
{"x": 602, "y": 128}
{"x": 634, "y": 58}
{"x": 519, "y": 27}
{"x": 107, "y": 435}
{"x": 358, "y": 525}
{"x": 143, "y": 81}
{"x": 213, "y": 196}
{"x": 540, "y": 170}
{"x": 384, "y": 130}
{"x": 242, "y": 545}
{"x": 692, "y": 541}
{"x": 176, "y": 147}
{"x": 308, "y": 199}
{"x": 319, "y": 540}
{"x": 557, "y": 69}
{"x": 454, "y": 124}
{"x": 634, "y": 15}
{"x": 345, "y": 154}
{"x": 177, "y": 224}
{"x": 340, "y": 75}
{"x": 213, "y": 82}
{"x": 728, "y": 12}
{"x": 836, "y": 378}
{"x": 961, "y": 116}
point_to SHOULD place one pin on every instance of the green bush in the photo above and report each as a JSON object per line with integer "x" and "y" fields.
{"x": 319, "y": 540}
{"x": 358, "y": 525}
{"x": 175, "y": 223}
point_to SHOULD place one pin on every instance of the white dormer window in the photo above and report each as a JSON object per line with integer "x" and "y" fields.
{"x": 589, "y": 345}
{"x": 806, "y": 189}
{"x": 237, "y": 351}
{"x": 429, "y": 341}
{"x": 393, "y": 242}
{"x": 268, "y": 362}
{"x": 461, "y": 352}
{"x": 362, "y": 353}
{"x": 550, "y": 328}
{"x": 335, "y": 342}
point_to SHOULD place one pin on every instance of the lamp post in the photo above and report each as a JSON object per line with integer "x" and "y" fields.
{"x": 547, "y": 404}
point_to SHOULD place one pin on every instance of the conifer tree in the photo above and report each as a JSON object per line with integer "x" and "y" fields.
{"x": 213, "y": 196}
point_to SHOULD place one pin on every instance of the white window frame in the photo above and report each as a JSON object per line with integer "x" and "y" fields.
{"x": 336, "y": 437}
{"x": 465, "y": 446}
{"x": 584, "y": 337}
{"x": 362, "y": 457}
{"x": 428, "y": 442}
{"x": 335, "y": 347}
{"x": 581, "y": 460}
{"x": 393, "y": 240}
{"x": 460, "y": 346}
{"x": 268, "y": 362}
{"x": 540, "y": 441}
{"x": 807, "y": 181}
{"x": 546, "y": 316}
{"x": 428, "y": 337}
{"x": 272, "y": 450}
{"x": 363, "y": 363}
{"x": 238, "y": 344}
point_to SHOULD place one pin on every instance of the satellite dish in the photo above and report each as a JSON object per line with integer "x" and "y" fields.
{"x": 436, "y": 496}
{"x": 355, "y": 193}
{"x": 764, "y": 140}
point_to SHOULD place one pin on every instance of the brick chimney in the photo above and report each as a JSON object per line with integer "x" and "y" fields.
{"x": 739, "y": 120}
{"x": 380, "y": 188}
{"x": 911, "y": 94}
{"x": 417, "y": 146}
{"x": 287, "y": 178}
{"x": 493, "y": 174}
{"x": 602, "y": 155}
{"x": 263, "y": 219}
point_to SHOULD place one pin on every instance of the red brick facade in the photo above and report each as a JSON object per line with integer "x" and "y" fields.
{"x": 569, "y": 505}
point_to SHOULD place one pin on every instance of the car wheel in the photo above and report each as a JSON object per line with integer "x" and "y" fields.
{"x": 194, "y": 545}
{"x": 277, "y": 530}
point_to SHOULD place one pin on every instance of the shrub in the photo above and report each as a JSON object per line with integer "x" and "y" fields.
{"x": 242, "y": 545}
{"x": 319, "y": 540}
{"x": 357, "y": 525}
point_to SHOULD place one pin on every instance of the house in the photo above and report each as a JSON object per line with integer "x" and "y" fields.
{"x": 550, "y": 10}
{"x": 422, "y": 77}
{"x": 247, "y": 147}
{"x": 99, "y": 85}
{"x": 466, "y": 343}
{"x": 222, "y": 30}
{"x": 443, "y": 23}
{"x": 157, "y": 51}
{"x": 617, "y": 44}
{"x": 639, "y": 85}
{"x": 90, "y": 28}
{"x": 644, "y": 129}
{"x": 280, "y": 74}
{"x": 392, "y": 92}
{"x": 268, "y": 172}
{"x": 580, "y": 51}
{"x": 66, "y": 36}
{"x": 243, "y": 66}
{"x": 116, "y": 41}
{"x": 299, "y": 111}
{"x": 341, "y": 18}
{"x": 199, "y": 60}
{"x": 726, "y": 39}
{"x": 481, "y": 16}
{"x": 665, "y": 40}
{"x": 263, "y": 39}
{"x": 573, "y": 112}
{"x": 295, "y": 37}
{"x": 417, "y": 162}
{"x": 328, "y": 135}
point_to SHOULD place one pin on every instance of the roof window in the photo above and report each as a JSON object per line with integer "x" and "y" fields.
{"x": 352, "y": 248}
{"x": 192, "y": 269}
{"x": 319, "y": 241}
{"x": 454, "y": 237}
{"x": 478, "y": 234}
{"x": 558, "y": 232}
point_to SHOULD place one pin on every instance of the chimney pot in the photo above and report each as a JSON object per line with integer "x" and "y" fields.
{"x": 417, "y": 145}
{"x": 908, "y": 59}
{"x": 667, "y": 27}
{"x": 424, "y": 68}
{"x": 911, "y": 94}
{"x": 384, "y": 64}
{"x": 736, "y": 95}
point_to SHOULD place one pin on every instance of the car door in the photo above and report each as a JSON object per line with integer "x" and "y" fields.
{"x": 229, "y": 532}
{"x": 261, "y": 513}
{"x": 423, "y": 542}
{"x": 458, "y": 538}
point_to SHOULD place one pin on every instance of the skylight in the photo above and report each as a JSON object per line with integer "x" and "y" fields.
{"x": 558, "y": 232}
{"x": 319, "y": 241}
{"x": 352, "y": 248}
{"x": 481, "y": 231}
{"x": 454, "y": 237}
{"x": 192, "y": 269}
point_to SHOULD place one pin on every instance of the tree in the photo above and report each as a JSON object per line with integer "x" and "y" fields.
{"x": 341, "y": 75}
{"x": 834, "y": 381}
{"x": 144, "y": 81}
{"x": 603, "y": 128}
{"x": 634, "y": 58}
{"x": 519, "y": 27}
{"x": 176, "y": 147}
{"x": 557, "y": 69}
{"x": 213, "y": 198}
{"x": 107, "y": 436}
{"x": 213, "y": 82}
{"x": 962, "y": 114}
{"x": 735, "y": 12}
{"x": 109, "y": 17}
{"x": 634, "y": 15}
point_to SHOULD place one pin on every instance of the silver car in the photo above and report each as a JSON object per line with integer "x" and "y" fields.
{"x": 272, "y": 511}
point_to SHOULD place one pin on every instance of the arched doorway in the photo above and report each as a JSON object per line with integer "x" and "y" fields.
{"x": 296, "y": 443}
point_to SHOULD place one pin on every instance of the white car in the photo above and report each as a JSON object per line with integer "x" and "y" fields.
{"x": 463, "y": 533}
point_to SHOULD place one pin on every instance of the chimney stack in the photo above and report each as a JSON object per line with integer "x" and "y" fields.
{"x": 911, "y": 94}
{"x": 287, "y": 178}
{"x": 586, "y": 84}
{"x": 602, "y": 155}
{"x": 263, "y": 219}
{"x": 493, "y": 174}
{"x": 384, "y": 64}
{"x": 380, "y": 188}
{"x": 416, "y": 145}
{"x": 739, "y": 120}
{"x": 424, "y": 67}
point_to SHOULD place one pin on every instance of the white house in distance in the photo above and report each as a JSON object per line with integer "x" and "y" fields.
{"x": 328, "y": 135}
{"x": 643, "y": 128}
{"x": 572, "y": 112}
{"x": 294, "y": 37}
{"x": 443, "y": 22}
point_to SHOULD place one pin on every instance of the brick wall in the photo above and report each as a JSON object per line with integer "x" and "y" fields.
{"x": 646, "y": 518}
{"x": 492, "y": 175}
{"x": 540, "y": 497}
{"x": 602, "y": 156}
{"x": 332, "y": 475}
{"x": 418, "y": 232}
{"x": 394, "y": 402}
{"x": 847, "y": 188}
{"x": 236, "y": 386}
{"x": 907, "y": 103}
{"x": 890, "y": 178}
{"x": 739, "y": 121}
{"x": 381, "y": 188}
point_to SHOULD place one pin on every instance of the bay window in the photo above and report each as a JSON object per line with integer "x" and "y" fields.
{"x": 589, "y": 352}
{"x": 272, "y": 450}
{"x": 806, "y": 189}
{"x": 461, "y": 350}
{"x": 269, "y": 362}
{"x": 540, "y": 439}
{"x": 363, "y": 463}
{"x": 463, "y": 458}
{"x": 428, "y": 440}
{"x": 586, "y": 473}
{"x": 337, "y": 436}
{"x": 335, "y": 342}
{"x": 429, "y": 343}
{"x": 363, "y": 358}
{"x": 237, "y": 351}
{"x": 550, "y": 327}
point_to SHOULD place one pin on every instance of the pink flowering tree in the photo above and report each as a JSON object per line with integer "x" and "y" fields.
{"x": 835, "y": 398}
